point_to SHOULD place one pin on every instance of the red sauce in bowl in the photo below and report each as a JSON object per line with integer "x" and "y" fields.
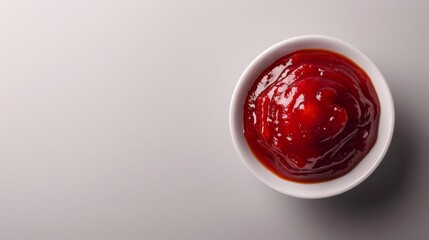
{"x": 311, "y": 116}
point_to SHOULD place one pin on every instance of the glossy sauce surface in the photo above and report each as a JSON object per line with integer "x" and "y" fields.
{"x": 311, "y": 116}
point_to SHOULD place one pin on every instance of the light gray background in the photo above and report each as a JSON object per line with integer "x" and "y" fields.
{"x": 114, "y": 120}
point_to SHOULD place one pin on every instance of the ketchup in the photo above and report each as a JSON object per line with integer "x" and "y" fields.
{"x": 311, "y": 116}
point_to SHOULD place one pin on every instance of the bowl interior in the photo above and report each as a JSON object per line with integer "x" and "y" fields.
{"x": 338, "y": 185}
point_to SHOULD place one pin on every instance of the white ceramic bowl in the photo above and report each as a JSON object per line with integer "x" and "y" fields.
{"x": 338, "y": 185}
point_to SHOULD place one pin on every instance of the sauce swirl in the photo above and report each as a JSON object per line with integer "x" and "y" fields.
{"x": 311, "y": 116}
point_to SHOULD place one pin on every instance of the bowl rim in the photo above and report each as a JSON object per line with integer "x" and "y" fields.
{"x": 335, "y": 186}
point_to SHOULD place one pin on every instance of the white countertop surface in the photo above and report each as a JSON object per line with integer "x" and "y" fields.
{"x": 114, "y": 120}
